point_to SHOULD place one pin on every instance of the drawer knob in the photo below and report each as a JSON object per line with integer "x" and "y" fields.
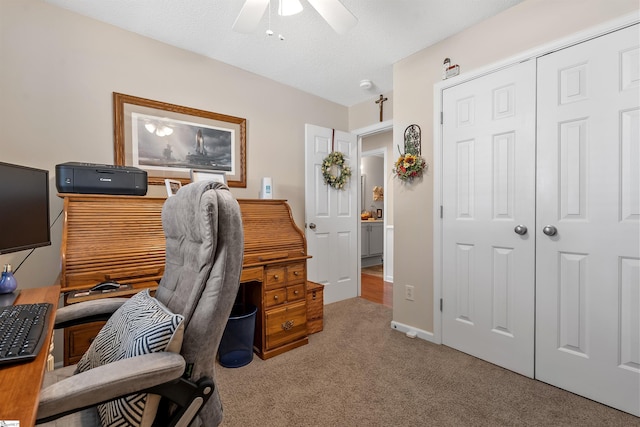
{"x": 287, "y": 325}
{"x": 275, "y": 297}
{"x": 275, "y": 276}
{"x": 296, "y": 273}
{"x": 295, "y": 292}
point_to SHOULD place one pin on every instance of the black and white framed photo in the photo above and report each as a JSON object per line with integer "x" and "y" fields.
{"x": 169, "y": 140}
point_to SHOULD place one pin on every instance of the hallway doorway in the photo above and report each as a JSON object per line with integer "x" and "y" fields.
{"x": 375, "y": 200}
{"x": 373, "y": 287}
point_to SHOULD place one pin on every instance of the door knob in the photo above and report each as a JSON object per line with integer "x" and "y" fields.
{"x": 550, "y": 230}
{"x": 520, "y": 229}
{"x": 312, "y": 226}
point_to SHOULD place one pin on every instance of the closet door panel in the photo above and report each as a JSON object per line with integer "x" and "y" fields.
{"x": 489, "y": 189}
{"x": 587, "y": 288}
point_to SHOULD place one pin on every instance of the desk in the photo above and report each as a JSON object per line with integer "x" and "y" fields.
{"x": 121, "y": 238}
{"x": 21, "y": 382}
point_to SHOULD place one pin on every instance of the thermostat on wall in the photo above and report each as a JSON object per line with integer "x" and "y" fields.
{"x": 266, "y": 189}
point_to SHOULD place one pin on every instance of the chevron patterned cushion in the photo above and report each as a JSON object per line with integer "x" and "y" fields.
{"x": 141, "y": 325}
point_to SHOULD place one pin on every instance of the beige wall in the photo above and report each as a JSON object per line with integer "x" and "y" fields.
{"x": 367, "y": 113}
{"x": 57, "y": 74}
{"x": 518, "y": 29}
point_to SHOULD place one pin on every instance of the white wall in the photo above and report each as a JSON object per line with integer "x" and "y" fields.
{"x": 527, "y": 25}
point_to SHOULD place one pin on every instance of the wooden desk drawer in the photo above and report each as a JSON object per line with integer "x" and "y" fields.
{"x": 296, "y": 272}
{"x": 78, "y": 339}
{"x": 251, "y": 274}
{"x": 275, "y": 297}
{"x": 286, "y": 324}
{"x": 275, "y": 277}
{"x": 295, "y": 293}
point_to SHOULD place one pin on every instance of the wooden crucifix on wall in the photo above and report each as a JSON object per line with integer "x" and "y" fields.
{"x": 381, "y": 102}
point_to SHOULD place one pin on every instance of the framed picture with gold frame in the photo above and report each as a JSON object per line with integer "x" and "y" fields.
{"x": 168, "y": 140}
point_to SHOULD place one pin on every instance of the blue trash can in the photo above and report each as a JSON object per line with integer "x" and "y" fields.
{"x": 236, "y": 345}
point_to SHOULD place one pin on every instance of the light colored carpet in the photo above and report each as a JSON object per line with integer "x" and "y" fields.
{"x": 360, "y": 372}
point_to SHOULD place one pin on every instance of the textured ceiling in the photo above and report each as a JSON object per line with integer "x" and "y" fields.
{"x": 312, "y": 58}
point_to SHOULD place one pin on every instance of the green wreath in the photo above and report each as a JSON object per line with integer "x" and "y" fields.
{"x": 332, "y": 162}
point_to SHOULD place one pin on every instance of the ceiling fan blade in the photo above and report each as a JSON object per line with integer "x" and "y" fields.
{"x": 250, "y": 15}
{"x": 336, "y": 15}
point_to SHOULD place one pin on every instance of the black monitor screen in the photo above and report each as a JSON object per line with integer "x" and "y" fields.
{"x": 24, "y": 208}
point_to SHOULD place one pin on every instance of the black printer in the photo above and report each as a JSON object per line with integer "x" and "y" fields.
{"x": 90, "y": 178}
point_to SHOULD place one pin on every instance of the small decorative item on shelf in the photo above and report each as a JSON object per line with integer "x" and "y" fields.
{"x": 334, "y": 171}
{"x": 378, "y": 193}
{"x": 449, "y": 70}
{"x": 410, "y": 165}
{"x": 8, "y": 283}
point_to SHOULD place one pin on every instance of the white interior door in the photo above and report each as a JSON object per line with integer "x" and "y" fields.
{"x": 588, "y": 273}
{"x": 488, "y": 190}
{"x": 332, "y": 217}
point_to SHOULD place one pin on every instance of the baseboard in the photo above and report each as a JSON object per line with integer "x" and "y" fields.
{"x": 410, "y": 330}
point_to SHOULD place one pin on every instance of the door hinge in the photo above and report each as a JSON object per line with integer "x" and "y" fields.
{"x": 441, "y": 117}
{"x": 441, "y": 304}
{"x": 441, "y": 212}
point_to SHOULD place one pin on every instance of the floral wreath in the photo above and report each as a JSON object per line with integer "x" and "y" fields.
{"x": 334, "y": 161}
{"x": 409, "y": 166}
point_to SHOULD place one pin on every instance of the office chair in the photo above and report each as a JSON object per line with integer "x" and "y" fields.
{"x": 204, "y": 250}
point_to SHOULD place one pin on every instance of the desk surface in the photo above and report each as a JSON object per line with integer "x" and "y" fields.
{"x": 21, "y": 382}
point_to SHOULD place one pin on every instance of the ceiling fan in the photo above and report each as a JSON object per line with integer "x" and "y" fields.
{"x": 333, "y": 11}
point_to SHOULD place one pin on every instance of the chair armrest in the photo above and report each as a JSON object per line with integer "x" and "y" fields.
{"x": 108, "y": 382}
{"x": 87, "y": 311}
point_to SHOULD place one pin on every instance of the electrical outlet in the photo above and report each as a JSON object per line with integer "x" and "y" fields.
{"x": 408, "y": 292}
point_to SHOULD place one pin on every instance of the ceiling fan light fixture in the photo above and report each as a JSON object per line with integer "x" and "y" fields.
{"x": 289, "y": 7}
{"x": 336, "y": 15}
{"x": 332, "y": 11}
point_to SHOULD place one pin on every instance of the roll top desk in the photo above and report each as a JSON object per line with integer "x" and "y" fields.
{"x": 120, "y": 238}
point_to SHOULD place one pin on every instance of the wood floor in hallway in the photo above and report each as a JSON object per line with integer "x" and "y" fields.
{"x": 374, "y": 288}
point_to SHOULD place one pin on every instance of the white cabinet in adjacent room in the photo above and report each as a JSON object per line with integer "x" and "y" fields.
{"x": 372, "y": 243}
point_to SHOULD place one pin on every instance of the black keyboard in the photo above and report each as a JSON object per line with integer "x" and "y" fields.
{"x": 23, "y": 329}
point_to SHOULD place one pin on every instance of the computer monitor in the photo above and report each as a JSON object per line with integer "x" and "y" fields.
{"x": 24, "y": 208}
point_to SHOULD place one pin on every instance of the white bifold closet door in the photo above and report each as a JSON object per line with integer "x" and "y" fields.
{"x": 588, "y": 273}
{"x": 541, "y": 224}
{"x": 489, "y": 190}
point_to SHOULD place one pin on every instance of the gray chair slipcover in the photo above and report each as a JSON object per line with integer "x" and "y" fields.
{"x": 204, "y": 250}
